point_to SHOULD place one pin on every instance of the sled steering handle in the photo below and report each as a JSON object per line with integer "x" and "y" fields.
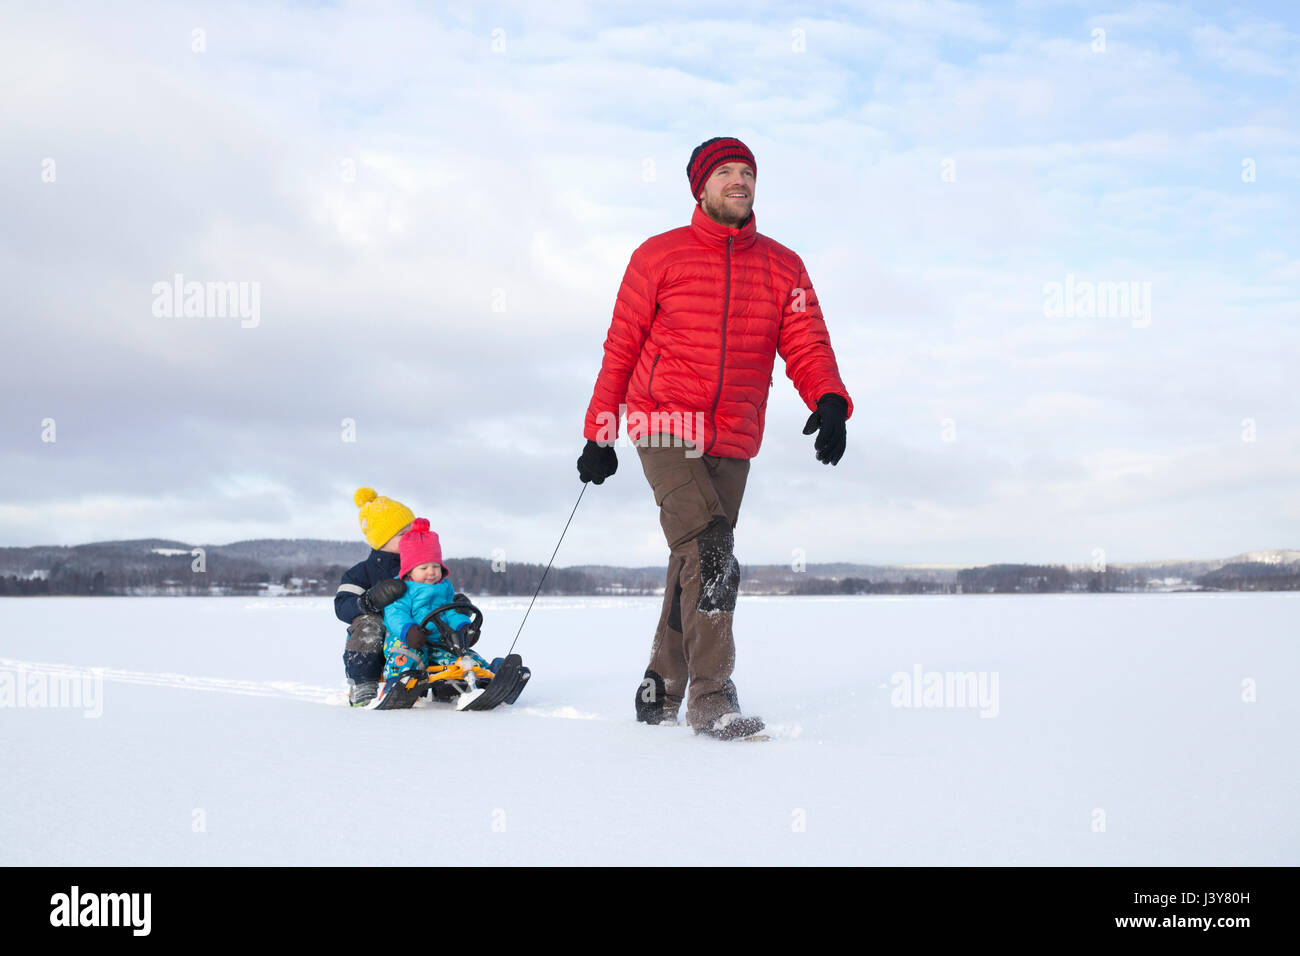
{"x": 448, "y": 635}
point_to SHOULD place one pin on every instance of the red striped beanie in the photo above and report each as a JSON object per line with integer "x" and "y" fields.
{"x": 711, "y": 154}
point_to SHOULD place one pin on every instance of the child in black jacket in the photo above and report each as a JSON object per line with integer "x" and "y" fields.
{"x": 367, "y": 588}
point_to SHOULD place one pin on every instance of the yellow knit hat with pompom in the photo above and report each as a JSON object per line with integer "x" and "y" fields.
{"x": 381, "y": 518}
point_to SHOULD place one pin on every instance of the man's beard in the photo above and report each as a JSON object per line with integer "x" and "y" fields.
{"x": 722, "y": 215}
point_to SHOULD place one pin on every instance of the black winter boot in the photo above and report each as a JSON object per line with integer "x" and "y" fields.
{"x": 731, "y": 726}
{"x": 361, "y": 693}
{"x": 650, "y": 697}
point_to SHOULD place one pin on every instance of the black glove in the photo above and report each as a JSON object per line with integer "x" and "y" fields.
{"x": 597, "y": 462}
{"x": 415, "y": 637}
{"x": 460, "y": 640}
{"x": 381, "y": 595}
{"x": 828, "y": 422}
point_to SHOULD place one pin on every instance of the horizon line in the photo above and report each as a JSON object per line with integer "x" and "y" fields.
{"x": 921, "y": 565}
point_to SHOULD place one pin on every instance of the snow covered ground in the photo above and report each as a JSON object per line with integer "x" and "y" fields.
{"x": 1119, "y": 730}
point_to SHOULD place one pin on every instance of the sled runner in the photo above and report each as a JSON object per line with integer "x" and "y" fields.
{"x": 464, "y": 682}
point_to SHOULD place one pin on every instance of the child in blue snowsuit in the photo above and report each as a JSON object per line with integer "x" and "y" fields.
{"x": 408, "y": 646}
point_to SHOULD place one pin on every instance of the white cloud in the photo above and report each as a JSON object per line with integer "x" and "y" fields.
{"x": 519, "y": 178}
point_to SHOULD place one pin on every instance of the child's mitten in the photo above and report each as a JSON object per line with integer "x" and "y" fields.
{"x": 381, "y": 595}
{"x": 415, "y": 637}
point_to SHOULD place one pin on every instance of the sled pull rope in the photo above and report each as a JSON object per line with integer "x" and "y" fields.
{"x": 548, "y": 568}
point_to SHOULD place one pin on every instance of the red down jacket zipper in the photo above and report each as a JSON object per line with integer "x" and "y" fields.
{"x": 722, "y": 361}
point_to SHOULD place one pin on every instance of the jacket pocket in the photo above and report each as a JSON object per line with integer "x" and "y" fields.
{"x": 650, "y": 385}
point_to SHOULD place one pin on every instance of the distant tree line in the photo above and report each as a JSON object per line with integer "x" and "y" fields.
{"x": 475, "y": 576}
{"x": 990, "y": 579}
{"x": 126, "y": 568}
{"x": 1046, "y": 579}
{"x": 220, "y": 576}
{"x": 851, "y": 585}
{"x": 173, "y": 574}
{"x": 1253, "y": 576}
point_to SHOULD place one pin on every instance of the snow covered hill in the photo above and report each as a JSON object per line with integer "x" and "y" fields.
{"x": 1088, "y": 729}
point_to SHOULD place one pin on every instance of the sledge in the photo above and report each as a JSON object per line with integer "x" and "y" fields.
{"x": 465, "y": 682}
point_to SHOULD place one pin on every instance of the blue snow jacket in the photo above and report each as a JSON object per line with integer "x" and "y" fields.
{"x": 360, "y": 578}
{"x": 413, "y": 606}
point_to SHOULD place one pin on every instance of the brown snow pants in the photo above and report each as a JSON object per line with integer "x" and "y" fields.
{"x": 699, "y": 501}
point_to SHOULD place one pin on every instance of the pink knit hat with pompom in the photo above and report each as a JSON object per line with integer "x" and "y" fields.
{"x": 420, "y": 546}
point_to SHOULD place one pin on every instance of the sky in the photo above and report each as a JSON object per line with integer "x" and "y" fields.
{"x": 433, "y": 206}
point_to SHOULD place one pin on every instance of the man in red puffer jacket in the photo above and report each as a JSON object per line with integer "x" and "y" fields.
{"x": 701, "y": 315}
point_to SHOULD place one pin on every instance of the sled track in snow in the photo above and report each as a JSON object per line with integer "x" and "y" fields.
{"x": 247, "y": 688}
{"x": 331, "y": 696}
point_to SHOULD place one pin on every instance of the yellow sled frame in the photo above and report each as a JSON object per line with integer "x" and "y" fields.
{"x": 456, "y": 671}
{"x": 449, "y": 672}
